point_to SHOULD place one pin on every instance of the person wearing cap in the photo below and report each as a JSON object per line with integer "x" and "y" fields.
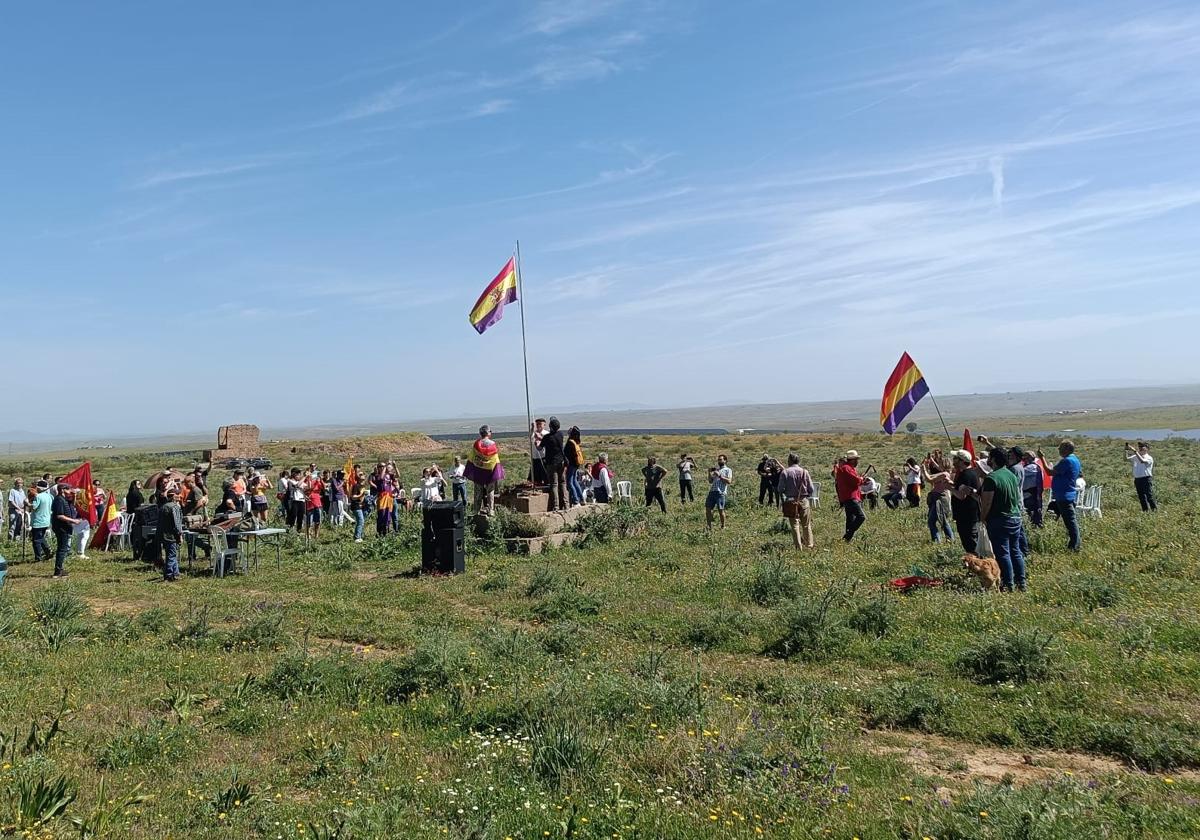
{"x": 64, "y": 517}
{"x": 964, "y": 500}
{"x": 39, "y": 520}
{"x": 1143, "y": 474}
{"x": 721, "y": 477}
{"x": 170, "y": 532}
{"x": 1000, "y": 508}
{"x": 848, "y": 484}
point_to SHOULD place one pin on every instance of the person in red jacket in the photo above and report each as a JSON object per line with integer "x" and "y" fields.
{"x": 848, "y": 482}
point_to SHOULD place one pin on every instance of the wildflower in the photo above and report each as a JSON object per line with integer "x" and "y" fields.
{"x": 983, "y": 814}
{"x": 1168, "y": 781}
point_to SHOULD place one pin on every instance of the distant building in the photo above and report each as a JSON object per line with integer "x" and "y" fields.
{"x": 237, "y": 441}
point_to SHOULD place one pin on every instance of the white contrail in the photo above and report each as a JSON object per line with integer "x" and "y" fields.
{"x": 996, "y": 167}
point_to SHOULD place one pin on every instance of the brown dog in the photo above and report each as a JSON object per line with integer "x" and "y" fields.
{"x": 986, "y": 569}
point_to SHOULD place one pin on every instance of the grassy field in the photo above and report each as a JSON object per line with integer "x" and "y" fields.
{"x": 668, "y": 684}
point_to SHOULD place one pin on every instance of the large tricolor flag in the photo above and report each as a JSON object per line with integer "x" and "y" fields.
{"x": 108, "y": 522}
{"x": 490, "y": 307}
{"x": 903, "y": 391}
{"x": 85, "y": 502}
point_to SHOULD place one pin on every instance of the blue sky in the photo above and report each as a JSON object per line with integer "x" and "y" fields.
{"x": 716, "y": 201}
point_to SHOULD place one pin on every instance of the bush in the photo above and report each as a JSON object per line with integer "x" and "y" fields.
{"x": 813, "y": 629}
{"x": 613, "y": 522}
{"x": 545, "y": 579}
{"x": 567, "y": 604}
{"x": 156, "y": 741}
{"x": 262, "y": 630}
{"x": 1148, "y": 745}
{"x": 433, "y": 665}
{"x": 1093, "y": 592}
{"x": 560, "y": 747}
{"x": 300, "y": 675}
{"x": 560, "y": 639}
{"x": 1017, "y": 656}
{"x": 906, "y": 705}
{"x": 712, "y": 631}
{"x": 875, "y": 617}
{"x": 772, "y": 581}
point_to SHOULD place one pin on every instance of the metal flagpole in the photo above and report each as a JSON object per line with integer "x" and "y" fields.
{"x": 939, "y": 413}
{"x": 525, "y": 358}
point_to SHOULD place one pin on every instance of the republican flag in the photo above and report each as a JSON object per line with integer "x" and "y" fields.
{"x": 903, "y": 391}
{"x": 489, "y": 309}
{"x": 969, "y": 445}
{"x": 107, "y": 522}
{"x": 85, "y": 502}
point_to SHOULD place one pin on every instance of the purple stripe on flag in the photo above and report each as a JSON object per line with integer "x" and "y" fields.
{"x": 904, "y": 405}
{"x": 497, "y": 312}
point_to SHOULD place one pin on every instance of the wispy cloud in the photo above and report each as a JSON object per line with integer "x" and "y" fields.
{"x": 555, "y": 17}
{"x": 492, "y": 106}
{"x": 173, "y": 176}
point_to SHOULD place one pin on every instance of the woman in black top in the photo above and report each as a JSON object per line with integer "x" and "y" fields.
{"x": 134, "y": 498}
{"x": 964, "y": 500}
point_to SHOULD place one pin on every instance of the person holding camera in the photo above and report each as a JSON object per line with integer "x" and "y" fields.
{"x": 721, "y": 477}
{"x": 1067, "y": 474}
{"x": 685, "y": 466}
{"x": 848, "y": 483}
{"x": 1143, "y": 474}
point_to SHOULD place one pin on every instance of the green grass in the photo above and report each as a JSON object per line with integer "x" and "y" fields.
{"x": 656, "y": 681}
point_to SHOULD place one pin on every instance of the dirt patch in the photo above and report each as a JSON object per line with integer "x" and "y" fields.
{"x": 964, "y": 763}
{"x": 121, "y": 606}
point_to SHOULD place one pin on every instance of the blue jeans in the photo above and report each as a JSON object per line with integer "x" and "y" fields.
{"x": 574, "y": 488}
{"x": 41, "y": 551}
{"x": 1066, "y": 510}
{"x": 1005, "y": 534}
{"x": 939, "y": 516}
{"x": 62, "y": 548}
{"x": 460, "y": 492}
{"x": 360, "y": 522}
{"x": 171, "y": 566}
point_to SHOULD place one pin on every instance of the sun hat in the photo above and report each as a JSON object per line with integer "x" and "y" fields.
{"x": 851, "y": 453}
{"x": 962, "y": 455}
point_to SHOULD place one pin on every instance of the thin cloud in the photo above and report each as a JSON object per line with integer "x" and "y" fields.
{"x": 158, "y": 179}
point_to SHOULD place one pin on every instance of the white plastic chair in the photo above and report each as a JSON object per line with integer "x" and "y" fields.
{"x": 221, "y": 550}
{"x": 625, "y": 492}
{"x": 417, "y": 497}
{"x": 120, "y": 531}
{"x": 1089, "y": 504}
{"x": 815, "y": 501}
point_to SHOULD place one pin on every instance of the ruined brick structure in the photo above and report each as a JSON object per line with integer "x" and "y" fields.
{"x": 239, "y": 441}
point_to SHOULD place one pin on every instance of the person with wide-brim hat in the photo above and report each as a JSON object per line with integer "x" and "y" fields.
{"x": 848, "y": 484}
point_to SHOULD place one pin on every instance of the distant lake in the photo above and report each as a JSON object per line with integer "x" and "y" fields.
{"x": 1127, "y": 434}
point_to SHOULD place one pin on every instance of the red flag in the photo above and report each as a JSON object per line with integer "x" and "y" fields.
{"x": 1047, "y": 475}
{"x": 107, "y": 523}
{"x": 85, "y": 502}
{"x": 969, "y": 445}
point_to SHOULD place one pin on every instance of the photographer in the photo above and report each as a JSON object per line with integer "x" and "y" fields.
{"x": 1143, "y": 474}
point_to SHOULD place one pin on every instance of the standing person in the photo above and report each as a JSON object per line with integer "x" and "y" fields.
{"x": 170, "y": 531}
{"x": 894, "y": 491}
{"x": 65, "y": 518}
{"x": 431, "y": 485}
{"x": 1067, "y": 471}
{"x": 721, "y": 477}
{"x": 574, "y": 455}
{"x": 685, "y": 466}
{"x": 296, "y": 500}
{"x": 938, "y": 499}
{"x": 1032, "y": 488}
{"x": 964, "y": 500}
{"x": 766, "y": 484}
{"x": 554, "y": 461}
{"x": 1000, "y": 507}
{"x": 40, "y": 520}
{"x": 601, "y": 479}
{"x": 326, "y": 494}
{"x": 358, "y": 503}
{"x": 1143, "y": 474}
{"x": 795, "y": 488}
{"x": 17, "y": 503}
{"x": 537, "y": 470}
{"x": 848, "y": 484}
{"x": 484, "y": 470}
{"x": 912, "y": 482}
{"x": 82, "y": 533}
{"x": 458, "y": 480}
{"x": 260, "y": 486}
{"x": 314, "y": 506}
{"x": 341, "y": 498}
{"x": 133, "y": 496}
{"x": 281, "y": 493}
{"x": 239, "y": 490}
{"x": 652, "y": 475}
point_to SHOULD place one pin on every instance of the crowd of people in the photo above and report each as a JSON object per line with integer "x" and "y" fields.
{"x": 983, "y": 502}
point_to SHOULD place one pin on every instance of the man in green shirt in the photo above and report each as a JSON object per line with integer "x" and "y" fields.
{"x": 1000, "y": 509}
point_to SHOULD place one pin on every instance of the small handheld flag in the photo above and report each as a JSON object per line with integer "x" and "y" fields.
{"x": 490, "y": 307}
{"x": 905, "y": 388}
{"x": 969, "y": 445}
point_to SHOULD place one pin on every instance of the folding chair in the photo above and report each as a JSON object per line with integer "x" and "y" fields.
{"x": 625, "y": 492}
{"x": 221, "y": 551}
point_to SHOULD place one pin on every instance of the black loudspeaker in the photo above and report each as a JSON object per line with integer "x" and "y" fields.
{"x": 428, "y": 548}
{"x": 440, "y": 515}
{"x": 450, "y": 551}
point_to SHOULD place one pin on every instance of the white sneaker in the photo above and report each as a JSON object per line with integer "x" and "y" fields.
{"x": 83, "y": 557}
{"x": 358, "y": 540}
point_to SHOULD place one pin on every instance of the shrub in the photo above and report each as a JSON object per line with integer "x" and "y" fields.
{"x": 567, "y": 604}
{"x": 1017, "y": 656}
{"x": 59, "y": 614}
{"x": 263, "y": 629}
{"x": 876, "y": 616}
{"x": 560, "y": 639}
{"x": 1148, "y": 745}
{"x": 34, "y": 801}
{"x": 143, "y": 745}
{"x": 560, "y": 747}
{"x": 299, "y": 675}
{"x": 812, "y": 628}
{"x": 545, "y": 579}
{"x": 1093, "y": 592}
{"x": 906, "y": 705}
{"x": 713, "y": 630}
{"x": 773, "y": 580}
{"x": 431, "y": 666}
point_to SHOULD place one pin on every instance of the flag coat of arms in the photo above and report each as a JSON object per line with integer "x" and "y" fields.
{"x": 489, "y": 309}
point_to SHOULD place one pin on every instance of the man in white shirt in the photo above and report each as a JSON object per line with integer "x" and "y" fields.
{"x": 721, "y": 477}
{"x": 458, "y": 480}
{"x": 17, "y": 503}
{"x": 1143, "y": 474}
